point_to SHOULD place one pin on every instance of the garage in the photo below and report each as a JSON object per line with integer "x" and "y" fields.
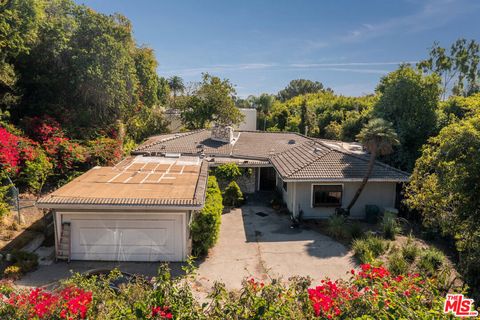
{"x": 117, "y": 237}
{"x": 138, "y": 210}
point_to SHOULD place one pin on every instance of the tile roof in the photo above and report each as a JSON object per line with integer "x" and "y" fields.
{"x": 295, "y": 156}
{"x": 152, "y": 182}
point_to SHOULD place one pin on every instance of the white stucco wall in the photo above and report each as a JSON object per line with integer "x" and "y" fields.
{"x": 299, "y": 194}
{"x": 250, "y": 121}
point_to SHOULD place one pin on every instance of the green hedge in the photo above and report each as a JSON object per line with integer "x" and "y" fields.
{"x": 206, "y": 222}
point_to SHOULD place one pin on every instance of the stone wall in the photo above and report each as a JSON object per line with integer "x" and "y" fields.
{"x": 247, "y": 182}
{"x": 222, "y": 133}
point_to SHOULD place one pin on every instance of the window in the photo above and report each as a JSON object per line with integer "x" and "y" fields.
{"x": 284, "y": 186}
{"x": 327, "y": 196}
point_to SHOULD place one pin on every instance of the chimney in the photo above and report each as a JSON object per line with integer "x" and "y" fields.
{"x": 222, "y": 133}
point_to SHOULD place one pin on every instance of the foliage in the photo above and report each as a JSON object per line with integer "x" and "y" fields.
{"x": 368, "y": 248}
{"x": 206, "y": 222}
{"x": 104, "y": 151}
{"x": 397, "y": 264}
{"x": 227, "y": 172}
{"x": 336, "y": 226}
{"x": 232, "y": 196}
{"x": 145, "y": 123}
{"x": 176, "y": 85}
{"x": 13, "y": 272}
{"x": 409, "y": 100}
{"x": 299, "y": 87}
{"x": 27, "y": 261}
{"x": 459, "y": 68}
{"x": 336, "y": 117}
{"x": 371, "y": 292}
{"x": 390, "y": 226}
{"x": 36, "y": 171}
{"x": 9, "y": 153}
{"x": 211, "y": 102}
{"x": 444, "y": 189}
{"x": 410, "y": 250}
{"x": 431, "y": 260}
{"x": 307, "y": 120}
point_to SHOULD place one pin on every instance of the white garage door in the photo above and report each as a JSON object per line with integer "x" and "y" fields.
{"x": 115, "y": 238}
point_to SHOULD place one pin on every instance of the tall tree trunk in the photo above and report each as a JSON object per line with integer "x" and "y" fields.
{"x": 371, "y": 163}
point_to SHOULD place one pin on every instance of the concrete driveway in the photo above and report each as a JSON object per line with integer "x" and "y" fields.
{"x": 255, "y": 241}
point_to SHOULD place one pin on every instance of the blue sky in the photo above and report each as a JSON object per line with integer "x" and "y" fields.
{"x": 261, "y": 45}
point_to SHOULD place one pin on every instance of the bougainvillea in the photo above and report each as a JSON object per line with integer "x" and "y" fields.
{"x": 9, "y": 154}
{"x": 68, "y": 303}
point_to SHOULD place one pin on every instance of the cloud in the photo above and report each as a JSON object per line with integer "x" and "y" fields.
{"x": 356, "y": 67}
{"x": 432, "y": 14}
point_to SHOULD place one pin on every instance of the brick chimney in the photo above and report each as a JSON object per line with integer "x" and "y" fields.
{"x": 222, "y": 133}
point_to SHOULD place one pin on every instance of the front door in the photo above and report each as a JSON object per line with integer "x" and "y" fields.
{"x": 267, "y": 179}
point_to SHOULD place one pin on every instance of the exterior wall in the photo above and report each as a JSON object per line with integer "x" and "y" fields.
{"x": 247, "y": 183}
{"x": 250, "y": 121}
{"x": 299, "y": 195}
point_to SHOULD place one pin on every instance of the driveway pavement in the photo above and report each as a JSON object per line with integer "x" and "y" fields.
{"x": 255, "y": 241}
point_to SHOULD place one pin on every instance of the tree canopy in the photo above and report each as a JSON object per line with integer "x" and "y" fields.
{"x": 212, "y": 101}
{"x": 409, "y": 100}
{"x": 298, "y": 87}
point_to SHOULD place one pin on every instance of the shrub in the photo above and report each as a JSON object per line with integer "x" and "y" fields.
{"x": 355, "y": 230}
{"x": 369, "y": 248}
{"x": 336, "y": 227}
{"x": 397, "y": 264}
{"x": 35, "y": 172}
{"x": 104, "y": 151}
{"x": 410, "y": 250}
{"x": 27, "y": 261}
{"x": 431, "y": 260}
{"x": 227, "y": 172}
{"x": 390, "y": 226}
{"x": 206, "y": 222}
{"x": 232, "y": 195}
{"x": 13, "y": 272}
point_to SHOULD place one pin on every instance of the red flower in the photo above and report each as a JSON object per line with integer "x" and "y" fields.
{"x": 161, "y": 312}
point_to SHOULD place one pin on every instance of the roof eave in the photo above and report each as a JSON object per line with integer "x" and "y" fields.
{"x": 84, "y": 206}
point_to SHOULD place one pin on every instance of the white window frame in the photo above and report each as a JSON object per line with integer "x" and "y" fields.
{"x": 326, "y": 184}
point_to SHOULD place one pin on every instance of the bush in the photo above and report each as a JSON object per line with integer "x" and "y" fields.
{"x": 410, "y": 250}
{"x": 336, "y": 227}
{"x": 390, "y": 226}
{"x": 27, "y": 261}
{"x": 397, "y": 264}
{"x": 355, "y": 230}
{"x": 227, "y": 173}
{"x": 206, "y": 222}
{"x": 369, "y": 248}
{"x": 104, "y": 151}
{"x": 35, "y": 172}
{"x": 13, "y": 272}
{"x": 431, "y": 260}
{"x": 232, "y": 195}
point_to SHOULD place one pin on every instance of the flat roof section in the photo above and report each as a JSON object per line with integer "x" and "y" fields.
{"x": 148, "y": 181}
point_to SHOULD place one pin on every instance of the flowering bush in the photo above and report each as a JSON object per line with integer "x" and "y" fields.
{"x": 9, "y": 155}
{"x": 104, "y": 151}
{"x": 372, "y": 292}
{"x": 68, "y": 303}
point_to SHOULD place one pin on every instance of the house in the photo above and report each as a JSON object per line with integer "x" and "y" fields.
{"x": 314, "y": 176}
{"x": 140, "y": 209}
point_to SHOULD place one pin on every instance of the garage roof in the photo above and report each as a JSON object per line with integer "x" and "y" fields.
{"x": 136, "y": 181}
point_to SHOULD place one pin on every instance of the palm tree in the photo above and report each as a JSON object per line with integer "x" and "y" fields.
{"x": 378, "y": 137}
{"x": 176, "y": 85}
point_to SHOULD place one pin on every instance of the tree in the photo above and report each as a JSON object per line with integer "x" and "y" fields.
{"x": 176, "y": 85}
{"x": 307, "y": 119}
{"x": 459, "y": 68}
{"x": 299, "y": 87}
{"x": 409, "y": 100}
{"x": 444, "y": 188}
{"x": 211, "y": 102}
{"x": 378, "y": 137}
{"x": 19, "y": 24}
{"x": 146, "y": 69}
